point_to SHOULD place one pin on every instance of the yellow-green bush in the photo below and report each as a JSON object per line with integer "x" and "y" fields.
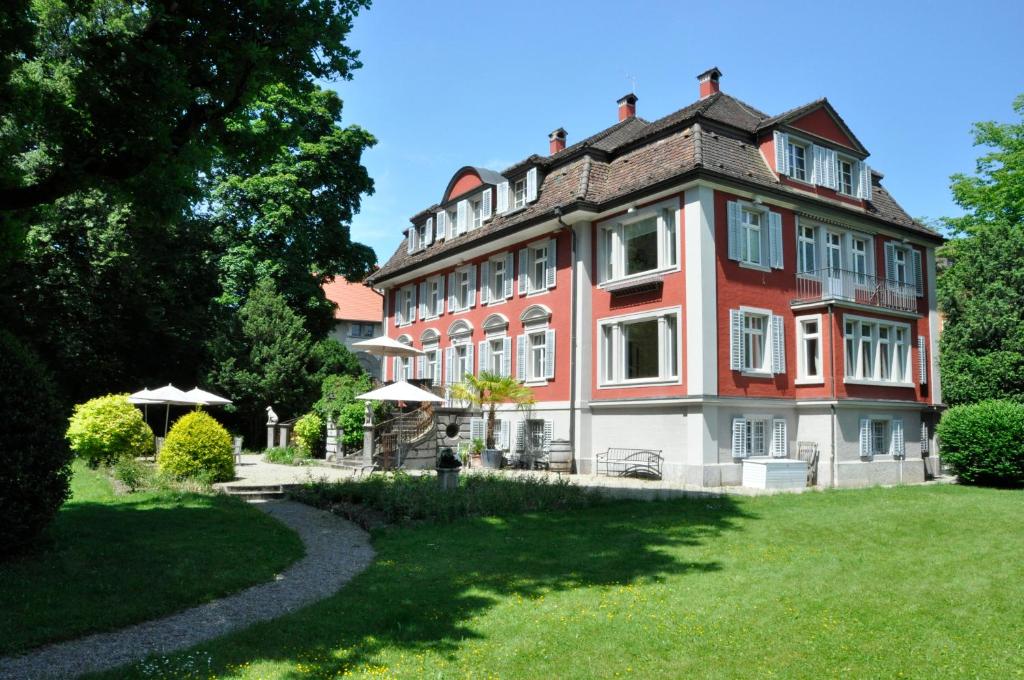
{"x": 198, "y": 447}
{"x": 105, "y": 429}
{"x": 309, "y": 430}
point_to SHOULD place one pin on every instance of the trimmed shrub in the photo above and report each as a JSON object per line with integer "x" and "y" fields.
{"x": 135, "y": 475}
{"x": 105, "y": 429}
{"x": 35, "y": 470}
{"x": 983, "y": 443}
{"x": 309, "y": 434}
{"x": 198, "y": 447}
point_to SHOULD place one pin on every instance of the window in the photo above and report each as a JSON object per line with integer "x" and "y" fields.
{"x": 369, "y": 330}
{"x": 406, "y": 301}
{"x": 499, "y": 277}
{"x": 834, "y": 253}
{"x": 640, "y": 348}
{"x": 750, "y": 237}
{"x": 538, "y": 273}
{"x": 462, "y": 289}
{"x": 453, "y": 221}
{"x": 876, "y": 351}
{"x": 641, "y": 243}
{"x": 537, "y": 267}
{"x": 430, "y": 369}
{"x": 806, "y": 255}
{"x": 519, "y": 193}
{"x": 796, "y": 160}
{"x": 859, "y": 259}
{"x": 759, "y": 435}
{"x": 879, "y": 437}
{"x": 535, "y": 347}
{"x": 899, "y": 259}
{"x": 756, "y": 436}
{"x": 355, "y": 330}
{"x": 435, "y": 296}
{"x": 476, "y": 213}
{"x": 809, "y": 348}
{"x": 496, "y": 356}
{"x": 756, "y": 342}
{"x": 537, "y": 355}
{"x": 421, "y": 235}
{"x": 845, "y": 178}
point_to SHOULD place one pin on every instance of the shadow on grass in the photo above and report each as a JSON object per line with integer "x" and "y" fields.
{"x": 430, "y": 582}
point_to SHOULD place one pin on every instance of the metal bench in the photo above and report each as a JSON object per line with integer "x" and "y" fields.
{"x": 643, "y": 463}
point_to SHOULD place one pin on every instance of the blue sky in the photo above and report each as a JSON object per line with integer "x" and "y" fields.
{"x": 446, "y": 84}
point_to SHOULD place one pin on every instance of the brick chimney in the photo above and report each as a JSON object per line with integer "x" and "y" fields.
{"x": 627, "y": 107}
{"x": 709, "y": 82}
{"x": 556, "y": 141}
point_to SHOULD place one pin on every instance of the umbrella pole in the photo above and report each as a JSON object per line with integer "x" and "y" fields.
{"x": 167, "y": 419}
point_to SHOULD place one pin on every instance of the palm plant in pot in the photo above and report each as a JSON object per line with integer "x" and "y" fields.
{"x": 486, "y": 391}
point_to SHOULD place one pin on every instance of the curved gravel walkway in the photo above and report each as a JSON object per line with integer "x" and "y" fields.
{"x": 336, "y": 550}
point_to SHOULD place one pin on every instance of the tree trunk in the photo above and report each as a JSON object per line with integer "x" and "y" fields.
{"x": 490, "y": 428}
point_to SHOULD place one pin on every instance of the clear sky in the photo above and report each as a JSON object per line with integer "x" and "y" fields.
{"x": 447, "y": 84}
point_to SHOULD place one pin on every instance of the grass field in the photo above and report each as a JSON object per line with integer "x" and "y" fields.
{"x": 913, "y": 581}
{"x": 110, "y": 560}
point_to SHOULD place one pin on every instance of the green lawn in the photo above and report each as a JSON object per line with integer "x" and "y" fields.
{"x": 914, "y": 581}
{"x": 114, "y": 560}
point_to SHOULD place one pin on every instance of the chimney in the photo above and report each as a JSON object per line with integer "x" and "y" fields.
{"x": 556, "y": 141}
{"x": 627, "y": 107}
{"x": 709, "y": 82}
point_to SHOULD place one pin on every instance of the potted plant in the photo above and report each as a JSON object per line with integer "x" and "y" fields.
{"x": 476, "y": 450}
{"x": 448, "y": 467}
{"x": 486, "y": 391}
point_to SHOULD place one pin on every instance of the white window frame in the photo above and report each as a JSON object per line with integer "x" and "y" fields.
{"x": 611, "y": 243}
{"x": 747, "y": 340}
{"x": 533, "y": 286}
{"x": 407, "y": 304}
{"x": 492, "y": 354}
{"x": 476, "y": 212}
{"x": 536, "y": 349}
{"x": 802, "y": 250}
{"x": 802, "y": 335}
{"x": 860, "y": 333}
{"x": 432, "y": 359}
{"x": 435, "y": 290}
{"x": 612, "y": 354}
{"x": 536, "y": 321}
{"x": 840, "y": 160}
{"x": 889, "y": 446}
{"x": 792, "y": 144}
{"x": 774, "y": 325}
{"x": 518, "y": 194}
{"x": 774, "y": 437}
{"x": 496, "y": 293}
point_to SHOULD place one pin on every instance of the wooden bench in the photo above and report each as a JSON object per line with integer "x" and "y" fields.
{"x": 618, "y": 462}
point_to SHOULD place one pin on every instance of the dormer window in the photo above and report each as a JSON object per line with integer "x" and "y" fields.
{"x": 845, "y": 176}
{"x": 476, "y": 212}
{"x": 519, "y": 194}
{"x": 796, "y": 158}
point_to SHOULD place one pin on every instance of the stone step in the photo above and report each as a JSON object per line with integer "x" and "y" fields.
{"x": 250, "y": 492}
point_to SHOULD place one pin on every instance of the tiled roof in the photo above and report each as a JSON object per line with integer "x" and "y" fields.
{"x": 634, "y": 154}
{"x": 355, "y": 301}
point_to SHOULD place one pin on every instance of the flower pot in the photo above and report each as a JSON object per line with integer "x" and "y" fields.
{"x": 492, "y": 458}
{"x": 448, "y": 478}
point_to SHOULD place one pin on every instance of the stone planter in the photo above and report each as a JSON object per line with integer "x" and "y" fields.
{"x": 448, "y": 478}
{"x": 560, "y": 455}
{"x": 491, "y": 459}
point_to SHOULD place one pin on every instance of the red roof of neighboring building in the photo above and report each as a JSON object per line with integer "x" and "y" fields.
{"x": 355, "y": 301}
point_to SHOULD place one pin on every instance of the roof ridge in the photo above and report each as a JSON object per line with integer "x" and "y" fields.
{"x": 584, "y": 184}
{"x": 698, "y": 148}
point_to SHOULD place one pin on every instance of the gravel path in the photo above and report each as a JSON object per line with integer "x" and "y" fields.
{"x": 336, "y": 550}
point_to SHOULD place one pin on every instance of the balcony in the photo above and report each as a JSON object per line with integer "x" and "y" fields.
{"x": 831, "y": 285}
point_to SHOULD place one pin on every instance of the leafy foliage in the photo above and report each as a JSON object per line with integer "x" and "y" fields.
{"x": 983, "y": 443}
{"x": 106, "y": 429}
{"x": 338, "y": 403}
{"x": 35, "y": 472}
{"x": 198, "y": 446}
{"x": 490, "y": 389}
{"x": 309, "y": 434}
{"x": 286, "y": 455}
{"x": 981, "y": 288}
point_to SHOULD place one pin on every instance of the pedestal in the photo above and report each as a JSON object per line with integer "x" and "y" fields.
{"x": 270, "y": 436}
{"x": 282, "y": 436}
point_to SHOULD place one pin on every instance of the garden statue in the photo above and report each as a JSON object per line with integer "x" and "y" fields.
{"x": 271, "y": 416}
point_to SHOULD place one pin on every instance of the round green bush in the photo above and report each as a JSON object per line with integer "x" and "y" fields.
{"x": 309, "y": 433}
{"x": 983, "y": 443}
{"x": 105, "y": 429}
{"x": 35, "y": 462}
{"x": 198, "y": 447}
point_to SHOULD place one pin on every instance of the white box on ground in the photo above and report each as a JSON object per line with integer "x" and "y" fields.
{"x": 774, "y": 473}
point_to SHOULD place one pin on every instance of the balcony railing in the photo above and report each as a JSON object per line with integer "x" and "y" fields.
{"x": 851, "y": 286}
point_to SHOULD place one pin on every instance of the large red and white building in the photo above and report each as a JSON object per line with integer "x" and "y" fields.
{"x": 715, "y": 284}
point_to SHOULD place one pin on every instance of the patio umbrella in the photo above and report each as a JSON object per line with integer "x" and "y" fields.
{"x": 399, "y": 391}
{"x": 170, "y": 395}
{"x": 384, "y": 346}
{"x": 208, "y": 398}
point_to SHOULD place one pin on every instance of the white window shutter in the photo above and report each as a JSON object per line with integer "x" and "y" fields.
{"x": 865, "y": 438}
{"x": 462, "y": 216}
{"x": 521, "y": 358}
{"x": 436, "y": 378}
{"x": 549, "y": 428}
{"x": 775, "y": 239}
{"x": 503, "y": 197}
{"x": 735, "y": 340}
{"x": 507, "y": 292}
{"x": 549, "y": 270}
{"x": 925, "y": 440}
{"x": 531, "y": 185}
{"x": 453, "y": 300}
{"x": 890, "y": 261}
{"x": 421, "y": 366}
{"x": 485, "y": 355}
{"x": 778, "y": 345}
{"x": 915, "y": 257}
{"x": 504, "y": 429}
{"x": 442, "y": 224}
{"x": 412, "y": 307}
{"x": 399, "y": 317}
{"x": 429, "y": 231}
{"x": 922, "y": 359}
{"x": 739, "y": 437}
{"x": 470, "y": 366}
{"x": 733, "y": 209}
{"x": 863, "y": 181}
{"x": 779, "y": 438}
{"x": 410, "y": 241}
{"x": 485, "y": 205}
{"x": 424, "y": 311}
{"x": 506, "y": 356}
{"x": 477, "y": 428}
{"x": 524, "y": 271}
{"x": 449, "y": 365}
{"x": 396, "y": 369}
{"x": 897, "y": 438}
{"x": 520, "y": 435}
{"x": 832, "y": 172}
{"x": 452, "y": 225}
{"x": 781, "y": 140}
{"x": 472, "y": 285}
{"x": 439, "y": 301}
{"x": 485, "y": 282}
{"x": 549, "y": 354}
{"x": 817, "y": 165}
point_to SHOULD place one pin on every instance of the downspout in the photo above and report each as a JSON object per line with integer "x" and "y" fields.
{"x": 832, "y": 406}
{"x": 572, "y": 334}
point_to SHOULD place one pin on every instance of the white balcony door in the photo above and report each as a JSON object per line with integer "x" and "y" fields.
{"x": 834, "y": 264}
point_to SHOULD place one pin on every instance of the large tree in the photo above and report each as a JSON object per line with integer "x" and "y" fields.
{"x": 981, "y": 289}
